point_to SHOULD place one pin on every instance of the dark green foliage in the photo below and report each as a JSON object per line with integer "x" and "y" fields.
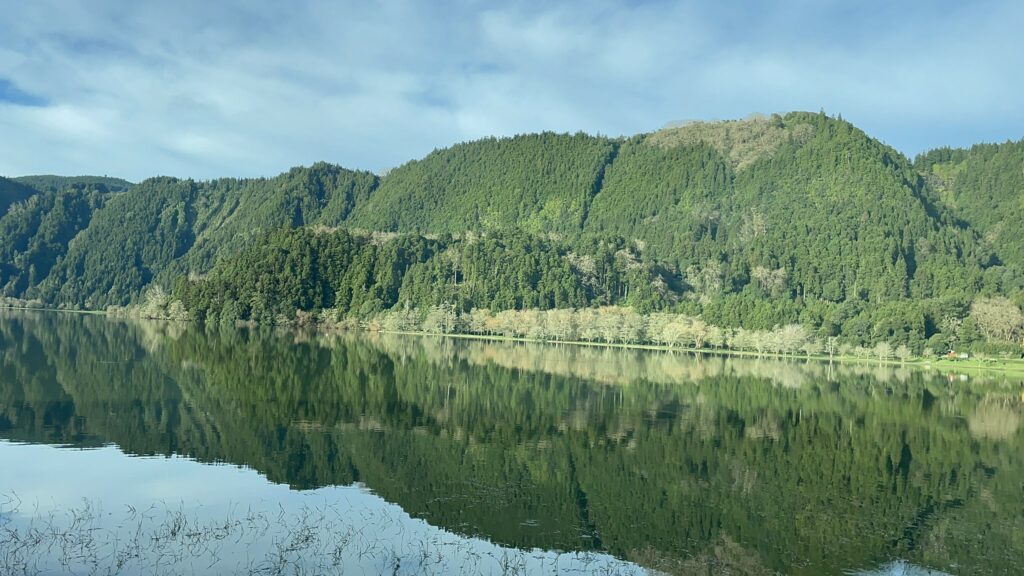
{"x": 303, "y": 269}
{"x": 130, "y": 240}
{"x": 670, "y": 198}
{"x": 165, "y": 227}
{"x": 539, "y": 183}
{"x": 36, "y": 233}
{"x": 843, "y": 216}
{"x": 985, "y": 186}
{"x": 231, "y": 214}
{"x": 499, "y": 272}
{"x": 11, "y": 192}
{"x": 50, "y": 183}
{"x": 299, "y": 270}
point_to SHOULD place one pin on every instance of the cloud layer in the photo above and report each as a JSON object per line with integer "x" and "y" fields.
{"x": 245, "y": 88}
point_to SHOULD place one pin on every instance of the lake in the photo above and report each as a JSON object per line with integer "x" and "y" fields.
{"x": 153, "y": 448}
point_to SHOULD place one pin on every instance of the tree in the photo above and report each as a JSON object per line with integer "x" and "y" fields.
{"x": 812, "y": 347}
{"x": 831, "y": 346}
{"x": 609, "y": 323}
{"x": 771, "y": 282}
{"x": 476, "y": 322}
{"x": 706, "y": 280}
{"x": 441, "y": 319}
{"x": 903, "y": 353}
{"x": 791, "y": 338}
{"x": 998, "y": 318}
{"x": 677, "y": 332}
{"x": 561, "y": 324}
{"x": 656, "y": 324}
{"x": 883, "y": 351}
{"x": 699, "y": 331}
{"x": 631, "y": 328}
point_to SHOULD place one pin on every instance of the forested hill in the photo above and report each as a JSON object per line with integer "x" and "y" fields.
{"x": 540, "y": 183}
{"x": 12, "y": 191}
{"x": 769, "y": 220}
{"x": 841, "y": 214}
{"x": 164, "y": 227}
{"x": 51, "y": 183}
{"x": 984, "y": 185}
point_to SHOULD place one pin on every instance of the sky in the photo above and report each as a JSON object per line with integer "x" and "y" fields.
{"x": 200, "y": 89}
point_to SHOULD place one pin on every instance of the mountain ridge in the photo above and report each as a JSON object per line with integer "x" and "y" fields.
{"x": 796, "y": 217}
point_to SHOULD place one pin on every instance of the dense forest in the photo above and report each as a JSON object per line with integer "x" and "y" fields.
{"x": 12, "y": 191}
{"x": 985, "y": 185}
{"x": 796, "y": 220}
{"x": 51, "y": 183}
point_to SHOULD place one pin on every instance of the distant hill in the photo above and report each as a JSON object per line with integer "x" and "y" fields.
{"x": 795, "y": 218}
{"x": 165, "y": 227}
{"x": 985, "y": 186}
{"x": 49, "y": 183}
{"x": 12, "y": 191}
{"x": 840, "y": 213}
{"x": 540, "y": 183}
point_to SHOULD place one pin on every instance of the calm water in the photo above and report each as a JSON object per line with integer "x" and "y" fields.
{"x": 152, "y": 448}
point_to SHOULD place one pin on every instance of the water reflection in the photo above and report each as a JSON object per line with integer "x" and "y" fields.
{"x": 679, "y": 464}
{"x": 175, "y": 516}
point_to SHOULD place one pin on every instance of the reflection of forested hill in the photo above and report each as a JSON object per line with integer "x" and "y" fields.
{"x": 774, "y": 466}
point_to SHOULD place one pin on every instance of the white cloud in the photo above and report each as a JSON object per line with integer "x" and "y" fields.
{"x": 241, "y": 88}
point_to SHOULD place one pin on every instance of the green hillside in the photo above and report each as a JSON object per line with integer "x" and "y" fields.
{"x": 36, "y": 233}
{"x": 165, "y": 227}
{"x": 540, "y": 183}
{"x": 769, "y": 221}
{"x": 985, "y": 186}
{"x": 802, "y": 207}
{"x": 51, "y": 183}
{"x": 12, "y": 191}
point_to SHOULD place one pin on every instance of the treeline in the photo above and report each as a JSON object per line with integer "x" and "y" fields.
{"x": 996, "y": 326}
{"x": 51, "y": 183}
{"x": 523, "y": 286}
{"x": 362, "y": 275}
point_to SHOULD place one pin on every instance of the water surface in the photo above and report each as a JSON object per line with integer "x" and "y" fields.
{"x": 144, "y": 447}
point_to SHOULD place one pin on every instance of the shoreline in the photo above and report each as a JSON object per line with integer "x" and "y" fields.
{"x": 61, "y": 310}
{"x": 1007, "y": 367}
{"x": 1012, "y": 368}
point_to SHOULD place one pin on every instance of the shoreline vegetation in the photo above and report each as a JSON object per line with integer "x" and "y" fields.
{"x": 678, "y": 333}
{"x": 1007, "y": 367}
{"x": 615, "y": 327}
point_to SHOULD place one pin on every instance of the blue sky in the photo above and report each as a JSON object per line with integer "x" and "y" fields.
{"x": 250, "y": 88}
